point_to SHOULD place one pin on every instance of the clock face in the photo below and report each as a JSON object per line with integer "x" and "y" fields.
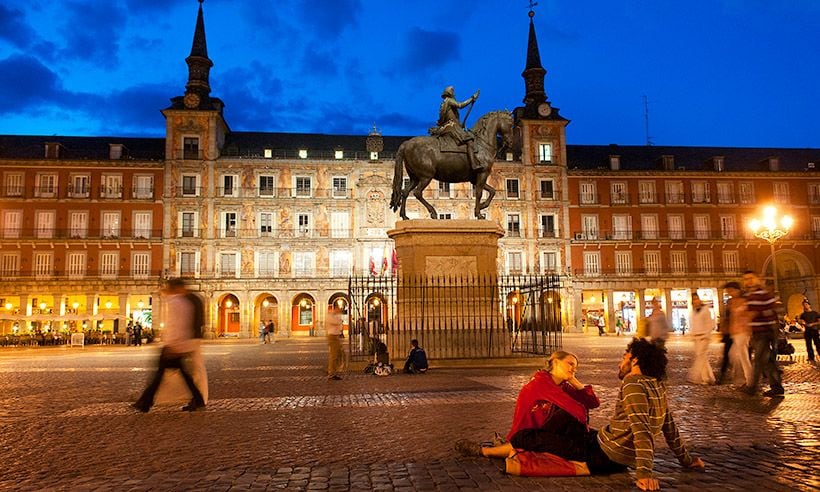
{"x": 191, "y": 100}
{"x": 544, "y": 109}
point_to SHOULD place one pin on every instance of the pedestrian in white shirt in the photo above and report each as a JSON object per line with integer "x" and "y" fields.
{"x": 702, "y": 327}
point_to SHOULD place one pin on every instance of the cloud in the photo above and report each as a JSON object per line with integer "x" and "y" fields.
{"x": 14, "y": 29}
{"x": 320, "y": 62}
{"x": 329, "y": 18}
{"x": 428, "y": 50}
{"x": 136, "y": 110}
{"x": 98, "y": 39}
{"x": 26, "y": 84}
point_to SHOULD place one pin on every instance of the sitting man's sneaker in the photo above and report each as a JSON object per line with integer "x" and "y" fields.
{"x": 465, "y": 447}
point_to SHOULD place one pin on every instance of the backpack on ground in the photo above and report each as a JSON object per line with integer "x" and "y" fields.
{"x": 198, "y": 314}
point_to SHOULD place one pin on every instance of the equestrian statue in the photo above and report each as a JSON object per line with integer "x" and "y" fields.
{"x": 452, "y": 154}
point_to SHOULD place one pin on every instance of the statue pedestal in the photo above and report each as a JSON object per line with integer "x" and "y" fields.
{"x": 462, "y": 248}
{"x": 447, "y": 294}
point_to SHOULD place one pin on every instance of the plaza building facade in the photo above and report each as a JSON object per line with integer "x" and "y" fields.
{"x": 271, "y": 226}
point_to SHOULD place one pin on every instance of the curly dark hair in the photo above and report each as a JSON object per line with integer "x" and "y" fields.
{"x": 651, "y": 357}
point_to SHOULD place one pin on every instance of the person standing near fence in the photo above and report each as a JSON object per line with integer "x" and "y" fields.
{"x": 335, "y": 351}
{"x": 810, "y": 320}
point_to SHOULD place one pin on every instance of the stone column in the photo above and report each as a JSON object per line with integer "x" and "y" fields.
{"x": 640, "y": 312}
{"x": 124, "y": 313}
{"x": 667, "y": 302}
{"x": 610, "y": 311}
{"x": 578, "y": 311}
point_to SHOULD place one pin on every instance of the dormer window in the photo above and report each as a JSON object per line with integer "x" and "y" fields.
{"x": 374, "y": 156}
{"x": 303, "y": 153}
{"x": 338, "y": 154}
{"x": 268, "y": 153}
{"x": 53, "y": 150}
{"x": 115, "y": 151}
{"x": 668, "y": 162}
{"x": 614, "y": 162}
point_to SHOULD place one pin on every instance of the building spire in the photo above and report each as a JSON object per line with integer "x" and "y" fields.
{"x": 534, "y": 72}
{"x": 199, "y": 67}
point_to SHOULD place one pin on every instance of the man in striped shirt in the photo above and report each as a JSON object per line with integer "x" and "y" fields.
{"x": 764, "y": 325}
{"x": 641, "y": 415}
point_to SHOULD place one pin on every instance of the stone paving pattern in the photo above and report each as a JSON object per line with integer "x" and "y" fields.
{"x": 274, "y": 422}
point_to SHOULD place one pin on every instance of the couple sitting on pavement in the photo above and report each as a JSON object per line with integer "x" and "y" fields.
{"x": 550, "y": 435}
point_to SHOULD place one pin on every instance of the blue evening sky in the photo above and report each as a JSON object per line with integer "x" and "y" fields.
{"x": 715, "y": 72}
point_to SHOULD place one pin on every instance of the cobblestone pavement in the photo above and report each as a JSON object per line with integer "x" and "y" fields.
{"x": 275, "y": 422}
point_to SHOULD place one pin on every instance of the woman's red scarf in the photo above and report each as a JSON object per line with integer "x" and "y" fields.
{"x": 542, "y": 389}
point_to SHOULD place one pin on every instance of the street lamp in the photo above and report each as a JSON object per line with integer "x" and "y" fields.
{"x": 771, "y": 228}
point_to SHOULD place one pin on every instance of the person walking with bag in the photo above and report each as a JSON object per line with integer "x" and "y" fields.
{"x": 180, "y": 345}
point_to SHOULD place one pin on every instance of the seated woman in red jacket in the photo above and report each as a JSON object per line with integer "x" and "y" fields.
{"x": 551, "y": 406}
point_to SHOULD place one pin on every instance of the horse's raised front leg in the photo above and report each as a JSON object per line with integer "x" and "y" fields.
{"x": 418, "y": 192}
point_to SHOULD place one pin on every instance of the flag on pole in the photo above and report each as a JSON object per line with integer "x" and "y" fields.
{"x": 395, "y": 262}
{"x": 372, "y": 266}
{"x": 385, "y": 266}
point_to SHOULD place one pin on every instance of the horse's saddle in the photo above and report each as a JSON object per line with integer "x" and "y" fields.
{"x": 447, "y": 142}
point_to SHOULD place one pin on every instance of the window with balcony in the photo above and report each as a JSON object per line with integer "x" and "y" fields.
{"x": 10, "y": 265}
{"x": 265, "y": 224}
{"x": 13, "y": 184}
{"x": 304, "y": 263}
{"x": 80, "y": 186}
{"x": 746, "y": 192}
{"x": 589, "y": 224}
{"x": 444, "y": 190}
{"x": 652, "y": 262}
{"x": 512, "y": 189}
{"x": 111, "y": 186}
{"x": 621, "y": 227}
{"x": 781, "y": 192}
{"x": 731, "y": 262}
{"x": 728, "y": 229}
{"x": 619, "y": 194}
{"x": 589, "y": 193}
{"x": 544, "y": 153}
{"x": 143, "y": 187}
{"x": 12, "y": 223}
{"x": 43, "y": 265}
{"x": 302, "y": 225}
{"x": 230, "y": 183}
{"x": 109, "y": 264}
{"x": 267, "y": 264}
{"x": 513, "y": 225}
{"x": 445, "y": 216}
{"x": 341, "y": 263}
{"x": 547, "y": 226}
{"x": 45, "y": 186}
{"x": 190, "y": 185}
{"x": 515, "y": 262}
{"x": 301, "y": 186}
{"x": 187, "y": 263}
{"x": 339, "y": 187}
{"x": 110, "y": 225}
{"x": 676, "y": 226}
{"x": 674, "y": 192}
{"x": 230, "y": 224}
{"x": 623, "y": 262}
{"x": 78, "y": 225}
{"x": 677, "y": 262}
{"x": 592, "y": 263}
{"x": 649, "y": 226}
{"x": 815, "y": 226}
{"x": 267, "y": 186}
{"x": 704, "y": 261}
{"x": 142, "y": 225}
{"x": 140, "y": 265}
{"x": 547, "y": 189}
{"x": 190, "y": 148}
{"x": 340, "y": 224}
{"x": 700, "y": 192}
{"x": 229, "y": 265}
{"x": 44, "y": 228}
{"x": 725, "y": 194}
{"x": 814, "y": 193}
{"x": 188, "y": 224}
{"x": 549, "y": 262}
{"x": 76, "y": 265}
{"x": 701, "y": 226}
{"x": 646, "y": 192}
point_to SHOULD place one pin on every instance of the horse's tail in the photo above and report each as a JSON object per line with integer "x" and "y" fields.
{"x": 395, "y": 198}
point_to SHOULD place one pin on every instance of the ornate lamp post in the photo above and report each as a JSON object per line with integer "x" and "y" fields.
{"x": 771, "y": 227}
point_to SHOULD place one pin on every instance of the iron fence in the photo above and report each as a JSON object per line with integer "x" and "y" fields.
{"x": 455, "y": 317}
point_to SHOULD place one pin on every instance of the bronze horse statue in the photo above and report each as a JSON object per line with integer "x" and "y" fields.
{"x": 424, "y": 162}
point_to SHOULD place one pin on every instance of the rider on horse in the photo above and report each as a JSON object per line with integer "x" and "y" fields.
{"x": 449, "y": 123}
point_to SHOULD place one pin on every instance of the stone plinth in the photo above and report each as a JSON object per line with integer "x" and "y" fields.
{"x": 427, "y": 247}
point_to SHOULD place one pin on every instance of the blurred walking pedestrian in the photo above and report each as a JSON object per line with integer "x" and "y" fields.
{"x": 335, "y": 351}
{"x": 701, "y": 331}
{"x": 725, "y": 338}
{"x": 765, "y": 328}
{"x": 741, "y": 332}
{"x": 180, "y": 345}
{"x": 657, "y": 324}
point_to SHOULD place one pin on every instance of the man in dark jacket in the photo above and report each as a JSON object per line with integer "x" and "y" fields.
{"x": 416, "y": 360}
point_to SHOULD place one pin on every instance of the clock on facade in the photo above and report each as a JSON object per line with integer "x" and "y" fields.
{"x": 191, "y": 100}
{"x": 544, "y": 109}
